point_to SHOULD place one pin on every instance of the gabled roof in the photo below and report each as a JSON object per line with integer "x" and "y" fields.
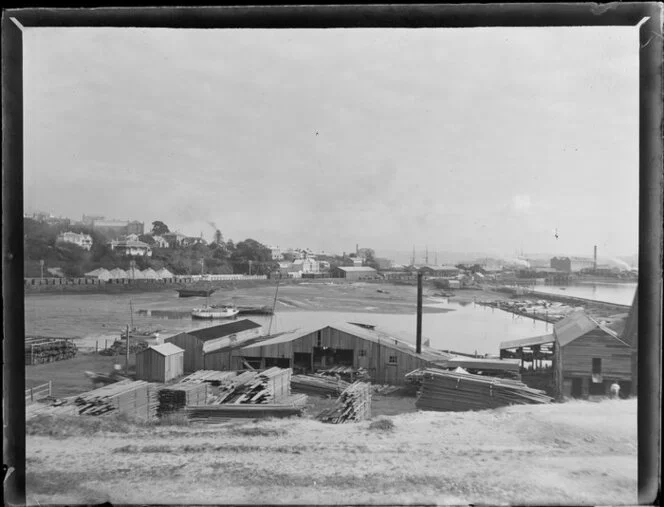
{"x": 214, "y": 332}
{"x": 366, "y": 333}
{"x": 631, "y": 331}
{"x": 528, "y": 342}
{"x": 357, "y": 268}
{"x": 166, "y": 349}
{"x": 483, "y": 363}
{"x": 577, "y": 324}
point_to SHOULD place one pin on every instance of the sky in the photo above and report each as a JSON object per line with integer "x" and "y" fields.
{"x": 492, "y": 140}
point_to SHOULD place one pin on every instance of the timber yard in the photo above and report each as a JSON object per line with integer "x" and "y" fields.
{"x": 337, "y": 407}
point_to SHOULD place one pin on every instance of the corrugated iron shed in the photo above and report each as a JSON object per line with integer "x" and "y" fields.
{"x": 214, "y": 332}
{"x": 528, "y": 342}
{"x": 166, "y": 349}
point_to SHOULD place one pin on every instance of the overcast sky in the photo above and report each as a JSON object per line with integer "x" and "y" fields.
{"x": 485, "y": 139}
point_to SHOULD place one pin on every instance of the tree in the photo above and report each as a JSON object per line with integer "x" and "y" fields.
{"x": 250, "y": 255}
{"x": 146, "y": 238}
{"x": 159, "y": 228}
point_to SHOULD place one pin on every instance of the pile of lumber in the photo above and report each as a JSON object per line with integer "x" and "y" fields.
{"x": 40, "y": 350}
{"x": 318, "y": 384}
{"x": 175, "y": 397}
{"x": 220, "y": 413}
{"x": 119, "y": 348}
{"x": 354, "y": 404}
{"x": 211, "y": 376}
{"x": 135, "y": 398}
{"x": 269, "y": 386}
{"x": 347, "y": 373}
{"x": 450, "y": 391}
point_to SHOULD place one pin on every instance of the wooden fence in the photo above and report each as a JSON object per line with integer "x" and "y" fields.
{"x": 38, "y": 392}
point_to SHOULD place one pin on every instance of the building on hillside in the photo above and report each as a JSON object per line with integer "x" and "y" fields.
{"x": 174, "y": 239}
{"x": 90, "y": 219}
{"x": 290, "y": 270}
{"x": 323, "y": 265}
{"x": 309, "y": 265}
{"x": 563, "y": 264}
{"x": 160, "y": 363}
{"x": 357, "y": 261}
{"x": 82, "y": 240}
{"x": 386, "y": 358}
{"x": 200, "y": 345}
{"x": 131, "y": 248}
{"x": 277, "y": 254}
{"x": 111, "y": 229}
{"x": 159, "y": 242}
{"x": 193, "y": 240}
{"x": 354, "y": 273}
{"x": 131, "y": 237}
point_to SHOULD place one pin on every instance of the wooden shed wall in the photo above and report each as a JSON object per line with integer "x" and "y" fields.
{"x": 193, "y": 351}
{"x": 375, "y": 360}
{"x": 577, "y": 356}
{"x": 154, "y": 367}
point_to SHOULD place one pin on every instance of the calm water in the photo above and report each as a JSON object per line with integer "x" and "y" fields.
{"x": 100, "y": 317}
{"x": 618, "y": 293}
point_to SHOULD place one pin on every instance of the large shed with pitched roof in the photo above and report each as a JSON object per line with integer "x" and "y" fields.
{"x": 588, "y": 357}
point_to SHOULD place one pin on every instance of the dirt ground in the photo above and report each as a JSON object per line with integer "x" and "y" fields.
{"x": 580, "y": 452}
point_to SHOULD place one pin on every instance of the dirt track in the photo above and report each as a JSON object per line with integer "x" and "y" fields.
{"x": 572, "y": 453}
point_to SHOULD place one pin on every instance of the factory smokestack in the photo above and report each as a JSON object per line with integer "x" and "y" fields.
{"x": 595, "y": 259}
{"x": 419, "y": 314}
{"x": 357, "y": 249}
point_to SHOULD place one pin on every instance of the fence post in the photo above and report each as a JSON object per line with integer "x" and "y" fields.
{"x": 50, "y": 387}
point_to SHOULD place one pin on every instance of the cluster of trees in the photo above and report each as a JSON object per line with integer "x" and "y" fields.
{"x": 219, "y": 257}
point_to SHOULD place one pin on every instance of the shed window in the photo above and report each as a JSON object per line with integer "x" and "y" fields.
{"x": 392, "y": 360}
{"x": 597, "y": 365}
{"x": 362, "y": 353}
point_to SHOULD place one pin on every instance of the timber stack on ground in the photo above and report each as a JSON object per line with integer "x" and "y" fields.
{"x": 41, "y": 349}
{"x": 353, "y": 405}
{"x": 176, "y": 397}
{"x": 317, "y": 384}
{"x": 450, "y": 391}
{"x": 134, "y": 398}
{"x": 219, "y": 413}
{"x": 269, "y": 386}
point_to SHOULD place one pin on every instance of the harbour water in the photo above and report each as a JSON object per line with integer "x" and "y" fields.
{"x": 100, "y": 318}
{"x": 618, "y": 293}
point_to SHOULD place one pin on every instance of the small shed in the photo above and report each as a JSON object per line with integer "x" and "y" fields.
{"x": 160, "y": 363}
{"x": 117, "y": 273}
{"x": 164, "y": 273}
{"x": 200, "y": 345}
{"x": 588, "y": 357}
{"x": 355, "y": 272}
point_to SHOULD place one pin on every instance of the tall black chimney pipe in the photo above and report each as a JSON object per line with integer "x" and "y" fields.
{"x": 419, "y": 313}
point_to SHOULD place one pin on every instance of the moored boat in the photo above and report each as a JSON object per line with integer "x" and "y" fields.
{"x": 215, "y": 312}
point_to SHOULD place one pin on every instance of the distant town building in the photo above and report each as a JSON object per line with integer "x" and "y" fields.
{"x": 160, "y": 242}
{"x": 354, "y": 272}
{"x": 90, "y": 219}
{"x": 309, "y": 265}
{"x": 131, "y": 237}
{"x": 174, "y": 238}
{"x": 136, "y": 227}
{"x": 438, "y": 271}
{"x": 562, "y": 264}
{"x": 131, "y": 248}
{"x": 193, "y": 240}
{"x": 277, "y": 255}
{"x": 579, "y": 263}
{"x": 82, "y": 240}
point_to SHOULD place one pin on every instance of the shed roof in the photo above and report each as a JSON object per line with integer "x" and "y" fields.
{"x": 483, "y": 363}
{"x": 577, "y": 324}
{"x": 214, "y": 332}
{"x": 528, "y": 342}
{"x": 357, "y": 268}
{"x": 366, "y": 333}
{"x": 166, "y": 349}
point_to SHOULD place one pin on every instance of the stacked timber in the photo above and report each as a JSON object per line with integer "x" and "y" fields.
{"x": 317, "y": 384}
{"x": 220, "y": 413}
{"x": 174, "y": 398}
{"x": 347, "y": 373}
{"x": 135, "y": 398}
{"x": 210, "y": 376}
{"x": 40, "y": 350}
{"x": 354, "y": 404}
{"x": 450, "y": 391}
{"x": 269, "y": 386}
{"x": 119, "y": 348}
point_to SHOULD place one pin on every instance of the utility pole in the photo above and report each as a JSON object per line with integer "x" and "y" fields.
{"x": 412, "y": 259}
{"x": 426, "y": 255}
{"x": 250, "y": 267}
{"x": 202, "y": 266}
{"x": 127, "y": 354}
{"x": 41, "y": 265}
